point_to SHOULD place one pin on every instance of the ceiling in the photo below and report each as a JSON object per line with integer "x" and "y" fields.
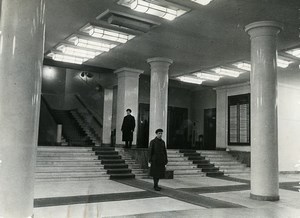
{"x": 205, "y": 37}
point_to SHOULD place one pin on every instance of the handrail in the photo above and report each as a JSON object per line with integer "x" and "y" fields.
{"x": 49, "y": 109}
{"x": 88, "y": 110}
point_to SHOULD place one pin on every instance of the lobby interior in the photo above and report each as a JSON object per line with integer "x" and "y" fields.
{"x": 221, "y": 78}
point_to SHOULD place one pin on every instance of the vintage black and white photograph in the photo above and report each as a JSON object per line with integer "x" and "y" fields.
{"x": 149, "y": 108}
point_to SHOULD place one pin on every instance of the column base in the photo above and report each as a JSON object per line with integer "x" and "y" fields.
{"x": 264, "y": 198}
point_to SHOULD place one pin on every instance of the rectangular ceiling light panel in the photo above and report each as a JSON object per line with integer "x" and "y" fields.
{"x": 227, "y": 72}
{"x": 108, "y": 34}
{"x": 202, "y": 2}
{"x": 295, "y": 52}
{"x": 243, "y": 65}
{"x": 283, "y": 63}
{"x": 101, "y": 46}
{"x": 159, "y": 8}
{"x": 77, "y": 52}
{"x": 189, "y": 79}
{"x": 67, "y": 58}
{"x": 206, "y": 76}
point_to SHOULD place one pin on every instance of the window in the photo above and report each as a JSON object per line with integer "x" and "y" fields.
{"x": 239, "y": 120}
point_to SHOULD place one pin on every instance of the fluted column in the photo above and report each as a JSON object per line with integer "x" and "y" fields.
{"x": 159, "y": 95}
{"x": 264, "y": 134}
{"x": 127, "y": 97}
{"x": 21, "y": 59}
{"x": 107, "y": 116}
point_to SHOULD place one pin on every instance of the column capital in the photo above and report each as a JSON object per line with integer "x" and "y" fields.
{"x": 263, "y": 28}
{"x": 128, "y": 72}
{"x": 159, "y": 59}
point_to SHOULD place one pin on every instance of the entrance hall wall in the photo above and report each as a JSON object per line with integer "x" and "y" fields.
{"x": 222, "y": 114}
{"x": 289, "y": 118}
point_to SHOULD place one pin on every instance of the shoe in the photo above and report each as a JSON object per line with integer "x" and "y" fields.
{"x": 156, "y": 188}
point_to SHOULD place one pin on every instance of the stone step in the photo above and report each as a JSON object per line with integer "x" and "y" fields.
{"x": 177, "y": 159}
{"x": 115, "y": 166}
{"x": 69, "y": 163}
{"x": 118, "y": 171}
{"x": 64, "y": 154}
{"x": 178, "y": 163}
{"x": 66, "y": 179}
{"x": 211, "y": 152}
{"x": 122, "y": 176}
{"x": 66, "y": 158}
{"x": 189, "y": 171}
{"x": 68, "y": 174}
{"x": 233, "y": 163}
{"x": 232, "y": 167}
{"x": 172, "y": 155}
{"x": 180, "y": 167}
{"x": 64, "y": 149}
{"x": 69, "y": 169}
{"x": 105, "y": 157}
{"x": 234, "y": 170}
{"x": 169, "y": 151}
{"x": 111, "y": 161}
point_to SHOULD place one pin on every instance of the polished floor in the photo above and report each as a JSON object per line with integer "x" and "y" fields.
{"x": 181, "y": 197}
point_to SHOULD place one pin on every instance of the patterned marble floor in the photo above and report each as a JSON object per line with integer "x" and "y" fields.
{"x": 184, "y": 197}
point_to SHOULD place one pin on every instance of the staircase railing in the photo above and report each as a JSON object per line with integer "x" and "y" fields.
{"x": 91, "y": 113}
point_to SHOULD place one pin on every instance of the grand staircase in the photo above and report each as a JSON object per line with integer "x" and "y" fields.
{"x": 56, "y": 163}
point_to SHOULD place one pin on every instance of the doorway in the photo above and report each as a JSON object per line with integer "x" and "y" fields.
{"x": 177, "y": 135}
{"x": 209, "y": 137}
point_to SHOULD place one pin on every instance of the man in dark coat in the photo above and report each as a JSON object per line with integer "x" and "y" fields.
{"x": 128, "y": 126}
{"x": 158, "y": 158}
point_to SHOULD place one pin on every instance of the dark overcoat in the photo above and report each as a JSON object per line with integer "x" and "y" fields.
{"x": 128, "y": 126}
{"x": 157, "y": 158}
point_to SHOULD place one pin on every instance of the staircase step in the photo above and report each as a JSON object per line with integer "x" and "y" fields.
{"x": 109, "y": 157}
{"x": 189, "y": 171}
{"x": 66, "y": 158}
{"x": 68, "y": 163}
{"x": 180, "y": 167}
{"x": 103, "y": 149}
{"x": 68, "y": 174}
{"x": 118, "y": 171}
{"x": 105, "y": 152}
{"x": 214, "y": 174}
{"x": 115, "y": 166}
{"x": 178, "y": 163}
{"x": 64, "y": 149}
{"x": 69, "y": 169}
{"x": 122, "y": 176}
{"x": 112, "y": 161}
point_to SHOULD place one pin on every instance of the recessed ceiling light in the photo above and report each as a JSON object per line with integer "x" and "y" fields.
{"x": 66, "y": 58}
{"x": 243, "y": 65}
{"x": 227, "y": 72}
{"x": 190, "y": 79}
{"x": 202, "y": 2}
{"x": 206, "y": 76}
{"x": 108, "y": 34}
{"x": 295, "y": 52}
{"x": 283, "y": 63}
{"x": 159, "y": 8}
{"x": 78, "y": 52}
{"x": 92, "y": 44}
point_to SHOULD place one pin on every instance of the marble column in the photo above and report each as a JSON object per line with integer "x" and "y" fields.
{"x": 264, "y": 134}
{"x": 107, "y": 116}
{"x": 127, "y": 97}
{"x": 159, "y": 95}
{"x": 21, "y": 61}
